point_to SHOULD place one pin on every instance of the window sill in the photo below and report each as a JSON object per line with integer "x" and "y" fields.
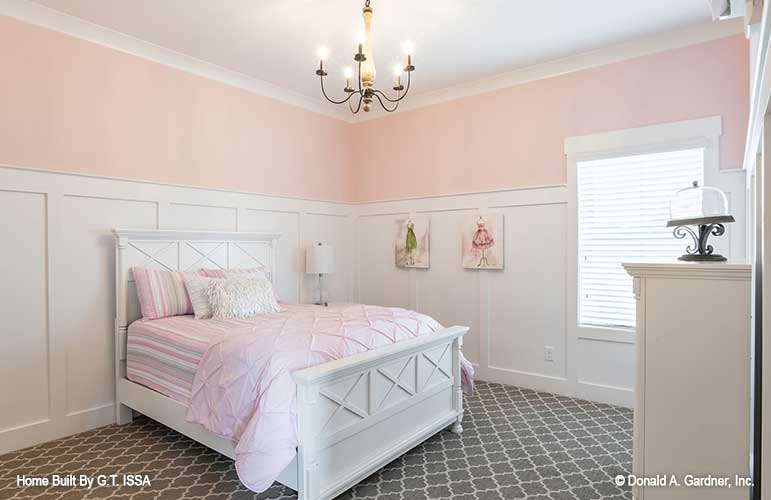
{"x": 617, "y": 335}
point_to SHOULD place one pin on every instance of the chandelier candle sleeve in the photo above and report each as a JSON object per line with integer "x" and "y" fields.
{"x": 364, "y": 89}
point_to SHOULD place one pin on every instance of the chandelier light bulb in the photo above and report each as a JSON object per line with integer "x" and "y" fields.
{"x": 398, "y": 69}
{"x": 408, "y": 48}
{"x": 323, "y": 53}
{"x": 348, "y": 72}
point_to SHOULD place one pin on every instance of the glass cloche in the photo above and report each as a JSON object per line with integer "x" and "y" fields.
{"x": 702, "y": 206}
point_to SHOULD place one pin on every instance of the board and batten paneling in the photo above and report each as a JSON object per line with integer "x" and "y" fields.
{"x": 514, "y": 313}
{"x": 56, "y": 366}
{"x": 56, "y": 369}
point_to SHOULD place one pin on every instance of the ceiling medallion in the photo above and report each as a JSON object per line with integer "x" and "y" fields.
{"x": 365, "y": 88}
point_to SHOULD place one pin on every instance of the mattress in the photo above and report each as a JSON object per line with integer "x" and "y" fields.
{"x": 164, "y": 354}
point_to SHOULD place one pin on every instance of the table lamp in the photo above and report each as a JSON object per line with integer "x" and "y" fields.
{"x": 320, "y": 259}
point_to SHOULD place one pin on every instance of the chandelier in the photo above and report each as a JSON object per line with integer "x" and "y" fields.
{"x": 365, "y": 85}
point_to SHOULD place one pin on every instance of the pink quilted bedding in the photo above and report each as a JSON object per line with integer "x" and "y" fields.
{"x": 243, "y": 389}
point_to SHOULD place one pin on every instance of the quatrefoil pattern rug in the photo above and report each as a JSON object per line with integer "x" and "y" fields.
{"x": 516, "y": 444}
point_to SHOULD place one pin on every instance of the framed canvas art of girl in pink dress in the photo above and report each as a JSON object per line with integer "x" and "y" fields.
{"x": 483, "y": 242}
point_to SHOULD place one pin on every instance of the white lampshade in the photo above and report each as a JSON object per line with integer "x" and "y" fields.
{"x": 320, "y": 259}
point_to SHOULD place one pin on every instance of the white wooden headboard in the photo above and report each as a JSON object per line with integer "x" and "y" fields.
{"x": 181, "y": 251}
{"x": 184, "y": 251}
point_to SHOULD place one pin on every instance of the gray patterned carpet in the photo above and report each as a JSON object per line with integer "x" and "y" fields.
{"x": 517, "y": 443}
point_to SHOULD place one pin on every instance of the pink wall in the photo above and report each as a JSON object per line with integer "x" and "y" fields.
{"x": 514, "y": 137}
{"x": 71, "y": 105}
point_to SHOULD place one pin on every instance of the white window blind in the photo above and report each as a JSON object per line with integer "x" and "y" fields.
{"x": 623, "y": 208}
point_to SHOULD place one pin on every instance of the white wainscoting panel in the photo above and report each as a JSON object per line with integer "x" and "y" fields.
{"x": 603, "y": 367}
{"x": 81, "y": 274}
{"x": 56, "y": 366}
{"x": 379, "y": 280}
{"x": 527, "y": 299}
{"x": 514, "y": 313}
{"x": 200, "y": 217}
{"x": 24, "y": 374}
{"x": 330, "y": 227}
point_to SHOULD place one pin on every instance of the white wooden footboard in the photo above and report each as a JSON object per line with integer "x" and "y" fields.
{"x": 357, "y": 414}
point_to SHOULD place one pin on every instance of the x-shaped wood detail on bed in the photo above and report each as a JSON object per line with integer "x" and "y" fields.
{"x": 395, "y": 381}
{"x": 248, "y": 254}
{"x": 154, "y": 256}
{"x": 437, "y": 364}
{"x": 204, "y": 256}
{"x": 344, "y": 402}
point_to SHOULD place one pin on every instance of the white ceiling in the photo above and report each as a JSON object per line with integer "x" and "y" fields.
{"x": 456, "y": 41}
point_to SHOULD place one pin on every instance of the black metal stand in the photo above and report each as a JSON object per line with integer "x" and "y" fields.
{"x": 699, "y": 250}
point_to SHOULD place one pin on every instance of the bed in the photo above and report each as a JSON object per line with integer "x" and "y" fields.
{"x": 353, "y": 415}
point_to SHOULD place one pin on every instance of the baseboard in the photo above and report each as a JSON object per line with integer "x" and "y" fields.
{"x": 619, "y": 396}
{"x": 527, "y": 380}
{"x": 26, "y": 435}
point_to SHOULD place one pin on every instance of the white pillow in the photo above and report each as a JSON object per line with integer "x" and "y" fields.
{"x": 241, "y": 297}
{"x": 198, "y": 290}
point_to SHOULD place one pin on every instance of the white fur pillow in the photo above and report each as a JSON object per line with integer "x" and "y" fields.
{"x": 241, "y": 297}
{"x": 198, "y": 290}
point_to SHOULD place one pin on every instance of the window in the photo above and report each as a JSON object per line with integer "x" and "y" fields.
{"x": 623, "y": 207}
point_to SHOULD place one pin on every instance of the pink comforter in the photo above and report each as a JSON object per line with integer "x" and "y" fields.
{"x": 243, "y": 388}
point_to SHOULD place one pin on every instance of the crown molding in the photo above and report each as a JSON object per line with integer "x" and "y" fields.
{"x": 46, "y": 17}
{"x": 647, "y": 45}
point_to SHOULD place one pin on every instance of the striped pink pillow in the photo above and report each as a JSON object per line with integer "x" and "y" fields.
{"x": 161, "y": 293}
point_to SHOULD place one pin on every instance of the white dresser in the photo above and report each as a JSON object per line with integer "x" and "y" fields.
{"x": 692, "y": 409}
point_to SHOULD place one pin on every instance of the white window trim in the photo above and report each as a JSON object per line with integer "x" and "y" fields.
{"x": 703, "y": 132}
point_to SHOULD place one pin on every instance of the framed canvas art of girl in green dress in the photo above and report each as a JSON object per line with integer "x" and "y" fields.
{"x": 412, "y": 242}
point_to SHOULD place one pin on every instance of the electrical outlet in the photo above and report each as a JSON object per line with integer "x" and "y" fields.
{"x": 548, "y": 353}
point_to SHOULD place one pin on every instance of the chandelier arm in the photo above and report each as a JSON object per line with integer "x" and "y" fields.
{"x": 361, "y": 98}
{"x": 385, "y": 96}
{"x": 399, "y": 97}
{"x": 383, "y": 104}
{"x": 332, "y": 100}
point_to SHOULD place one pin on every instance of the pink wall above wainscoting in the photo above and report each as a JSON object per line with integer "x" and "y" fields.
{"x": 513, "y": 137}
{"x": 71, "y": 105}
